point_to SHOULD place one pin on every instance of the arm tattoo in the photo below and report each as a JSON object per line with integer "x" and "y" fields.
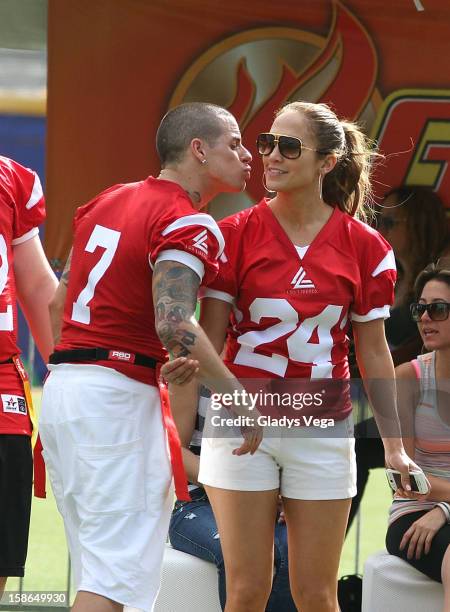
{"x": 175, "y": 288}
{"x": 66, "y": 272}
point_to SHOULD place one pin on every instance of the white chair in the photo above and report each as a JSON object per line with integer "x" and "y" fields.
{"x": 188, "y": 584}
{"x": 392, "y": 585}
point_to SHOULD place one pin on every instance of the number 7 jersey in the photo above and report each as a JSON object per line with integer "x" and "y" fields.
{"x": 119, "y": 237}
{"x": 290, "y": 313}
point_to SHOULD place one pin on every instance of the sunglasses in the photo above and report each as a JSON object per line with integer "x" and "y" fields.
{"x": 437, "y": 311}
{"x": 288, "y": 146}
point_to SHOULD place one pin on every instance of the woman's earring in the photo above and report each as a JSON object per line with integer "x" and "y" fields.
{"x": 204, "y": 161}
{"x": 320, "y": 186}
{"x": 264, "y": 184}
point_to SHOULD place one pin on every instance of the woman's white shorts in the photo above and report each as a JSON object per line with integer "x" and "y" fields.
{"x": 307, "y": 463}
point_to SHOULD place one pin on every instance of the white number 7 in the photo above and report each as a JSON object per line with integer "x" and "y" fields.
{"x": 100, "y": 237}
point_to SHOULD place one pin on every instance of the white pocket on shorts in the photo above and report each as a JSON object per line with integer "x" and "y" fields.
{"x": 112, "y": 477}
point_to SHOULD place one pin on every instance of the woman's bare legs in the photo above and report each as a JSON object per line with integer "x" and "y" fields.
{"x": 246, "y": 522}
{"x": 316, "y": 531}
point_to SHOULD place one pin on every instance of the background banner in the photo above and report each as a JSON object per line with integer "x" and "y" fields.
{"x": 116, "y": 67}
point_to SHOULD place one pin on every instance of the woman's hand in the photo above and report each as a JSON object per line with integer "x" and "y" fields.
{"x": 180, "y": 371}
{"x": 419, "y": 536}
{"x": 398, "y": 460}
{"x": 253, "y": 435}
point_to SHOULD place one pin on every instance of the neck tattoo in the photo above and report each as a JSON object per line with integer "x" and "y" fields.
{"x": 195, "y": 196}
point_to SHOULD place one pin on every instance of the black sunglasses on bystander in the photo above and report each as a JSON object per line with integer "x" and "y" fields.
{"x": 437, "y": 311}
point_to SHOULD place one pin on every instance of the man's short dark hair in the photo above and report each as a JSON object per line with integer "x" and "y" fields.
{"x": 185, "y": 122}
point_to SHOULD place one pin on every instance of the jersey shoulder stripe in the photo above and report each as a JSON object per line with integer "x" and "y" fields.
{"x": 197, "y": 219}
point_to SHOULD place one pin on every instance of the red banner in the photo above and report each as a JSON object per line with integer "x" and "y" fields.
{"x": 116, "y": 67}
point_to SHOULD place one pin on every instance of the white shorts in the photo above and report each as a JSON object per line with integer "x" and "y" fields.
{"x": 106, "y": 454}
{"x": 310, "y": 465}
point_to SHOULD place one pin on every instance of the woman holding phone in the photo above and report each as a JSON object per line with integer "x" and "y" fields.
{"x": 413, "y": 220}
{"x": 419, "y": 526}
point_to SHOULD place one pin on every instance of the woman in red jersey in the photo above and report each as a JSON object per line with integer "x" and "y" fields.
{"x": 296, "y": 271}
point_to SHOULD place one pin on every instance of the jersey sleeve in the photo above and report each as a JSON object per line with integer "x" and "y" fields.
{"x": 225, "y": 286}
{"x": 23, "y": 189}
{"x": 194, "y": 240}
{"x": 375, "y": 292}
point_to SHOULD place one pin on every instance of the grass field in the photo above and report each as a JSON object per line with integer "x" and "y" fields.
{"x": 47, "y": 555}
{"x": 373, "y": 521}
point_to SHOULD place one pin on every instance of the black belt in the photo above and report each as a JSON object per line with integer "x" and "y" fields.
{"x": 10, "y": 360}
{"x": 102, "y": 354}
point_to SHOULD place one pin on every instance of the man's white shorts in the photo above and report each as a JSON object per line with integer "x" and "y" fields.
{"x": 107, "y": 457}
{"x": 310, "y": 464}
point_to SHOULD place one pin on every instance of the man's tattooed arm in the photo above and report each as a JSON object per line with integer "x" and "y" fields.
{"x": 175, "y": 288}
{"x": 56, "y": 306}
{"x": 65, "y": 275}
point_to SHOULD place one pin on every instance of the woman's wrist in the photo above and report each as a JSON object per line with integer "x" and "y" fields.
{"x": 393, "y": 445}
{"x": 445, "y": 509}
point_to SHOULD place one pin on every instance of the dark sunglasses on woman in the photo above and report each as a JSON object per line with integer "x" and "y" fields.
{"x": 288, "y": 146}
{"x": 437, "y": 311}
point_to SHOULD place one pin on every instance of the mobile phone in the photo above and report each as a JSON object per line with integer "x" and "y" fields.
{"x": 418, "y": 480}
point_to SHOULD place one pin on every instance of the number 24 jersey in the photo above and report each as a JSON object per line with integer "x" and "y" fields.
{"x": 290, "y": 314}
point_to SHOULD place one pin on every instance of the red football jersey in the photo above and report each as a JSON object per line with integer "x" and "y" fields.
{"x": 22, "y": 209}
{"x": 119, "y": 236}
{"x": 290, "y": 314}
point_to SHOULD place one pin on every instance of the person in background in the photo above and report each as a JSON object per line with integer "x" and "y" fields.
{"x": 26, "y": 277}
{"x": 140, "y": 253}
{"x": 413, "y": 220}
{"x": 419, "y": 525}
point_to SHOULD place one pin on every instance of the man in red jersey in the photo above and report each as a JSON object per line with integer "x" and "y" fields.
{"x": 25, "y": 275}
{"x": 140, "y": 253}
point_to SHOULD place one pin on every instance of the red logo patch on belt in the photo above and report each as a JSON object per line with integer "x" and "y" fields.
{"x": 121, "y": 356}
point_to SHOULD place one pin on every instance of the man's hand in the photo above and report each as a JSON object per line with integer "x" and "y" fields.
{"x": 180, "y": 371}
{"x": 419, "y": 536}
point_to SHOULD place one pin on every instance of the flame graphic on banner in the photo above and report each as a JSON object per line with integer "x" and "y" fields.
{"x": 255, "y": 72}
{"x": 348, "y": 92}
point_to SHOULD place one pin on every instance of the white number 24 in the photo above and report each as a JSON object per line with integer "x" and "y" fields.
{"x": 298, "y": 343}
